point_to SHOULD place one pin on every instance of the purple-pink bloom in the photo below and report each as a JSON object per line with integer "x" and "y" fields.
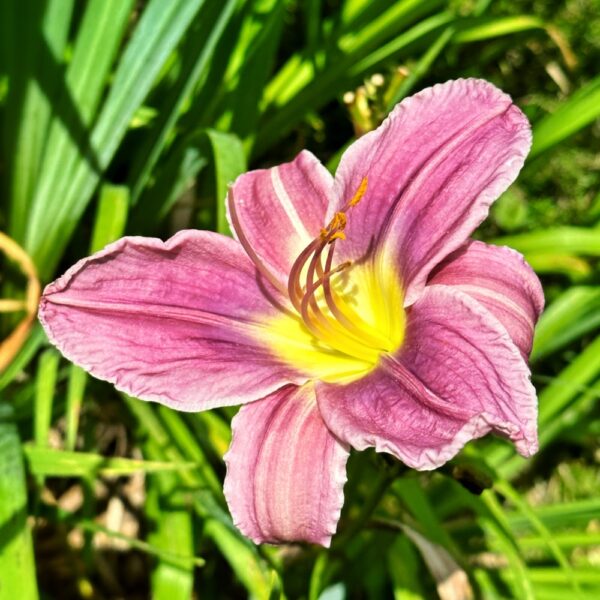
{"x": 351, "y": 311}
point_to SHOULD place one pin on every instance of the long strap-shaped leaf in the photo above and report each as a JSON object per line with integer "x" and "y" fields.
{"x": 33, "y": 36}
{"x": 201, "y": 46}
{"x": 581, "y": 109}
{"x": 48, "y": 462}
{"x": 160, "y": 29}
{"x": 17, "y": 568}
{"x": 97, "y": 42}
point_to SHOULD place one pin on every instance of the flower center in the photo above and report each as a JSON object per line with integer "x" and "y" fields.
{"x": 352, "y": 312}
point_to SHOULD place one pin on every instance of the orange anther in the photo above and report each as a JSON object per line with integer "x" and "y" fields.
{"x": 337, "y": 235}
{"x": 339, "y": 220}
{"x": 336, "y": 225}
{"x": 360, "y": 192}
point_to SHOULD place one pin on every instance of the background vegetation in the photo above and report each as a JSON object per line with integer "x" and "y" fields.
{"x": 125, "y": 116}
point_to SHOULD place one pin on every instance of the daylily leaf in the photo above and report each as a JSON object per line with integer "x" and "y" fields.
{"x": 48, "y": 462}
{"x": 452, "y": 581}
{"x": 17, "y": 564}
{"x": 229, "y": 161}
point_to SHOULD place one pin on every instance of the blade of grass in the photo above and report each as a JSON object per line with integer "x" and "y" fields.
{"x": 576, "y": 416}
{"x": 312, "y": 21}
{"x": 567, "y": 240}
{"x": 75, "y": 393}
{"x": 197, "y": 54}
{"x": 319, "y": 576}
{"x": 229, "y": 161}
{"x": 161, "y": 27}
{"x": 497, "y": 525}
{"x": 416, "y": 37}
{"x": 484, "y": 28}
{"x": 487, "y": 584}
{"x": 386, "y": 23}
{"x": 48, "y": 462}
{"x": 575, "y": 268}
{"x": 241, "y": 554}
{"x": 572, "y": 315}
{"x": 35, "y": 37}
{"x": 46, "y": 375}
{"x": 17, "y": 566}
{"x": 172, "y": 532}
{"x": 584, "y": 369}
{"x": 521, "y": 504}
{"x": 565, "y": 515}
{"x": 251, "y": 64}
{"x": 552, "y": 591}
{"x": 191, "y": 450}
{"x": 581, "y": 109}
{"x": 409, "y": 490}
{"x": 98, "y": 38}
{"x": 111, "y": 216}
{"x": 568, "y": 541}
{"x": 404, "y": 570}
{"x": 549, "y": 575}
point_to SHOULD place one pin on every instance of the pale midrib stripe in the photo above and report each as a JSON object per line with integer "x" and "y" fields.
{"x": 502, "y": 299}
{"x": 288, "y": 205}
{"x": 184, "y": 314}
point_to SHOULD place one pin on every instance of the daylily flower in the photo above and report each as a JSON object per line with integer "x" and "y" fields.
{"x": 350, "y": 312}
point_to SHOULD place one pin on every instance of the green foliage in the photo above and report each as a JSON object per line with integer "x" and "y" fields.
{"x": 122, "y": 117}
{"x": 17, "y": 567}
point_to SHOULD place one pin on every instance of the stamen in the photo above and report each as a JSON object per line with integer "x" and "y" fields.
{"x": 331, "y": 232}
{"x": 325, "y": 329}
{"x": 294, "y": 288}
{"x": 337, "y": 328}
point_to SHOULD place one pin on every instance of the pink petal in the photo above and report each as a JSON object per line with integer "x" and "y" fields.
{"x": 277, "y": 212}
{"x": 285, "y": 470}
{"x": 501, "y": 280}
{"x": 433, "y": 168}
{"x": 176, "y": 322}
{"x": 457, "y": 376}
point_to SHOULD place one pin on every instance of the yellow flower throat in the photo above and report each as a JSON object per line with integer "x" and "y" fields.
{"x": 346, "y": 315}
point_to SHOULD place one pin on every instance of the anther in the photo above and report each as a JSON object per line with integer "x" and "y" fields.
{"x": 319, "y": 276}
{"x": 336, "y": 225}
{"x": 360, "y": 192}
{"x": 336, "y": 235}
